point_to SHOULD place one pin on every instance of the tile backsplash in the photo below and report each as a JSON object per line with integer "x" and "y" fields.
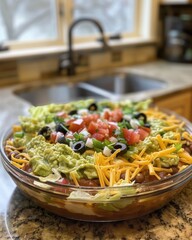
{"x": 39, "y": 68}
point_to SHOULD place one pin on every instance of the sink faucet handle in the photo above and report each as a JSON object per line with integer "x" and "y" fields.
{"x": 111, "y": 37}
{"x": 103, "y": 40}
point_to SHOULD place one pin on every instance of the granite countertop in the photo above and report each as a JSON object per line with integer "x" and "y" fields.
{"x": 20, "y": 218}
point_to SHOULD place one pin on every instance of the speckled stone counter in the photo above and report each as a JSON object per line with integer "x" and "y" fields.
{"x": 21, "y": 219}
{"x": 25, "y": 220}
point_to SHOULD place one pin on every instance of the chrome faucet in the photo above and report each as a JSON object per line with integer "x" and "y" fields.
{"x": 71, "y": 64}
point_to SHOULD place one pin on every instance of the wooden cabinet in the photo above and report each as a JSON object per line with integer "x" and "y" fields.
{"x": 180, "y": 103}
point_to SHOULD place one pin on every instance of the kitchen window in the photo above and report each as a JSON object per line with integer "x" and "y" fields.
{"x": 116, "y": 17}
{"x": 28, "y": 20}
{"x": 37, "y": 23}
{"x": 24, "y": 22}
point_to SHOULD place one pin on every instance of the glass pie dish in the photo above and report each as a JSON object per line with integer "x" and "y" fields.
{"x": 98, "y": 204}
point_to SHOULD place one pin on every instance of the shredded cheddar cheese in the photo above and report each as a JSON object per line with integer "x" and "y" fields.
{"x": 160, "y": 141}
{"x": 17, "y": 164}
{"x": 187, "y": 136}
{"x": 111, "y": 169}
{"x": 110, "y": 173}
{"x": 18, "y": 160}
{"x": 73, "y": 176}
{"x": 170, "y": 128}
{"x": 142, "y": 152}
{"x": 185, "y": 157}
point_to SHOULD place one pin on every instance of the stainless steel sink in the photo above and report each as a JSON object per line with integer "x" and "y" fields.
{"x": 112, "y": 86}
{"x": 60, "y": 93}
{"x": 126, "y": 83}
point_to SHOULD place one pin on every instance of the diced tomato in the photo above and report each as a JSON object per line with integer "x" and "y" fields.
{"x": 76, "y": 125}
{"x": 106, "y": 114}
{"x": 134, "y": 136}
{"x": 113, "y": 116}
{"x": 90, "y": 118}
{"x": 99, "y": 127}
{"x": 64, "y": 181}
{"x": 62, "y": 189}
{"x": 102, "y": 124}
{"x": 53, "y": 137}
{"x": 68, "y": 122}
{"x": 104, "y": 131}
{"x": 131, "y": 136}
{"x": 62, "y": 114}
{"x": 142, "y": 133}
{"x": 98, "y": 136}
{"x": 112, "y": 128}
{"x": 116, "y": 115}
{"x": 93, "y": 127}
{"x": 145, "y": 128}
{"x": 69, "y": 135}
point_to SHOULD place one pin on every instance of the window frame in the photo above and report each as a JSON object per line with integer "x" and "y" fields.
{"x": 16, "y": 45}
{"x": 146, "y": 10}
{"x": 93, "y": 38}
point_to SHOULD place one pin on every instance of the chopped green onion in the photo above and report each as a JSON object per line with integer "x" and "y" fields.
{"x": 178, "y": 146}
{"x": 79, "y": 136}
{"x": 108, "y": 144}
{"x": 121, "y": 140}
{"x": 19, "y": 134}
{"x": 124, "y": 124}
{"x": 97, "y": 144}
{"x": 58, "y": 119}
{"x": 141, "y": 122}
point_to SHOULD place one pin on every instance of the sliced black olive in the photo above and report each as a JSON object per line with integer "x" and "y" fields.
{"x": 61, "y": 139}
{"x": 93, "y": 107}
{"x": 122, "y": 147}
{"x": 46, "y": 132}
{"x": 61, "y": 128}
{"x": 140, "y": 116}
{"x": 73, "y": 112}
{"x": 79, "y": 147}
